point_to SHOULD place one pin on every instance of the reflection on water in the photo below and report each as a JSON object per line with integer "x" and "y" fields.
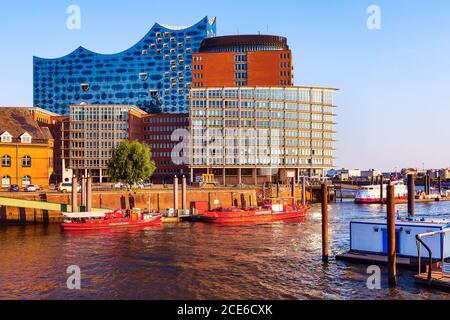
{"x": 199, "y": 261}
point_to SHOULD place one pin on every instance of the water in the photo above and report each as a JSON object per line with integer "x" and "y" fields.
{"x": 198, "y": 261}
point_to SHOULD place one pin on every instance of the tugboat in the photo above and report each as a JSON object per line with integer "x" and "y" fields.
{"x": 86, "y": 221}
{"x": 271, "y": 211}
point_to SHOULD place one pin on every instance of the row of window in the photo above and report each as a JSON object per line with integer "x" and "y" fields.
{"x": 290, "y": 94}
{"x": 6, "y": 181}
{"x": 6, "y": 137}
{"x": 6, "y": 161}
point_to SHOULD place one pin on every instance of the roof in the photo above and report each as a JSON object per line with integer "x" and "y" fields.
{"x": 251, "y": 41}
{"x": 17, "y": 121}
{"x": 82, "y": 215}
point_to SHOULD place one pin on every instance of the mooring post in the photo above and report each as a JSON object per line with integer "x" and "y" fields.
{"x": 175, "y": 195}
{"x": 440, "y": 185}
{"x": 392, "y": 251}
{"x": 83, "y": 192}
{"x": 325, "y": 222}
{"x": 381, "y": 189}
{"x": 293, "y": 188}
{"x": 411, "y": 194}
{"x": 278, "y": 189}
{"x": 74, "y": 194}
{"x": 89, "y": 194}
{"x": 428, "y": 180}
{"x": 304, "y": 191}
{"x": 184, "y": 193}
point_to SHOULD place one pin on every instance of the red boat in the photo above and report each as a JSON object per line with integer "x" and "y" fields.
{"x": 270, "y": 212}
{"x": 86, "y": 221}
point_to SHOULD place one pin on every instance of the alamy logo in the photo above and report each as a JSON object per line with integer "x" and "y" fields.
{"x": 374, "y": 19}
{"x": 74, "y": 281}
{"x": 74, "y": 19}
{"x": 374, "y": 280}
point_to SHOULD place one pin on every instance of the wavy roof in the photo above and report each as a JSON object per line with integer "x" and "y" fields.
{"x": 210, "y": 21}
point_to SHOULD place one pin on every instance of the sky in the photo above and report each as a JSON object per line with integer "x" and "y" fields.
{"x": 393, "y": 103}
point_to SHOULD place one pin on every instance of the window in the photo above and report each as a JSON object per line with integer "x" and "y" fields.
{"x": 26, "y": 181}
{"x": 25, "y": 138}
{"x": 143, "y": 76}
{"x": 26, "y": 161}
{"x": 6, "y": 181}
{"x": 85, "y": 87}
{"x": 6, "y": 137}
{"x": 6, "y": 161}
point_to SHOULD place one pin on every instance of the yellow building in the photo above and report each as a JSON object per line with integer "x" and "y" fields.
{"x": 26, "y": 150}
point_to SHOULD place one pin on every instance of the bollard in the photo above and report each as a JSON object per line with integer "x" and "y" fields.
{"x": 411, "y": 194}
{"x": 175, "y": 194}
{"x": 89, "y": 194}
{"x": 325, "y": 222}
{"x": 304, "y": 191}
{"x": 392, "y": 251}
{"x": 74, "y": 194}
{"x": 440, "y": 185}
{"x": 184, "y": 193}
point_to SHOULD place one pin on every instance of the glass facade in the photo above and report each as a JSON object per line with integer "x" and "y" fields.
{"x": 93, "y": 131}
{"x": 154, "y": 75}
{"x": 290, "y": 127}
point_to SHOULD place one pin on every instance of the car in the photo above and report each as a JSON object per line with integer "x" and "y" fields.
{"x": 30, "y": 188}
{"x": 14, "y": 188}
{"x": 67, "y": 187}
{"x": 120, "y": 185}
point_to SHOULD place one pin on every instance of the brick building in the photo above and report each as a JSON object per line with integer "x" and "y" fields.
{"x": 157, "y": 131}
{"x": 248, "y": 60}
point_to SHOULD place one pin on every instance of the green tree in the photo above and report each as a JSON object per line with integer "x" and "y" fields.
{"x": 131, "y": 163}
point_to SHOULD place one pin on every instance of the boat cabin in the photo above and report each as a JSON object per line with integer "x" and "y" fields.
{"x": 370, "y": 236}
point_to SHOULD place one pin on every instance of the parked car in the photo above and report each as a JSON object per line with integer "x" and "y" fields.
{"x": 14, "y": 188}
{"x": 31, "y": 188}
{"x": 67, "y": 187}
{"x": 120, "y": 185}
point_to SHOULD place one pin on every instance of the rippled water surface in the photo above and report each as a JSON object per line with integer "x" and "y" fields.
{"x": 198, "y": 261}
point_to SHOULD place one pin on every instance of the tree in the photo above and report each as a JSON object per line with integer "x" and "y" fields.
{"x": 131, "y": 163}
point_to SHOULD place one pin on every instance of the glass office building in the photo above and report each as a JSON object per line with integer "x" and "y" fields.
{"x": 248, "y": 131}
{"x": 154, "y": 75}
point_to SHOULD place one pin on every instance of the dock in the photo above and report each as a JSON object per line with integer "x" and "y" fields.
{"x": 438, "y": 280}
{"x": 378, "y": 259}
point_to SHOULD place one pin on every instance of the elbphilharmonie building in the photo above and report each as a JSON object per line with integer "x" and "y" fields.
{"x": 154, "y": 75}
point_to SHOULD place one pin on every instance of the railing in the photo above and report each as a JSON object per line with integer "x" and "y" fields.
{"x": 420, "y": 243}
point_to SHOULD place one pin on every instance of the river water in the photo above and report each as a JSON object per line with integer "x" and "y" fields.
{"x": 199, "y": 261}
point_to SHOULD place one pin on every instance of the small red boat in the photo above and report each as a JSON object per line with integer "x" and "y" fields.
{"x": 86, "y": 221}
{"x": 271, "y": 211}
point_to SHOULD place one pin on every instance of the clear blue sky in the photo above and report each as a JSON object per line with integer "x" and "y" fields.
{"x": 394, "y": 98}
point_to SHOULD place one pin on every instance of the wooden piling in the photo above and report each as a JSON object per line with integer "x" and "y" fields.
{"x": 411, "y": 194}
{"x": 392, "y": 251}
{"x": 175, "y": 194}
{"x": 440, "y": 185}
{"x": 89, "y": 194}
{"x": 74, "y": 194}
{"x": 184, "y": 193}
{"x": 83, "y": 192}
{"x": 381, "y": 189}
{"x": 304, "y": 191}
{"x": 428, "y": 184}
{"x": 325, "y": 222}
